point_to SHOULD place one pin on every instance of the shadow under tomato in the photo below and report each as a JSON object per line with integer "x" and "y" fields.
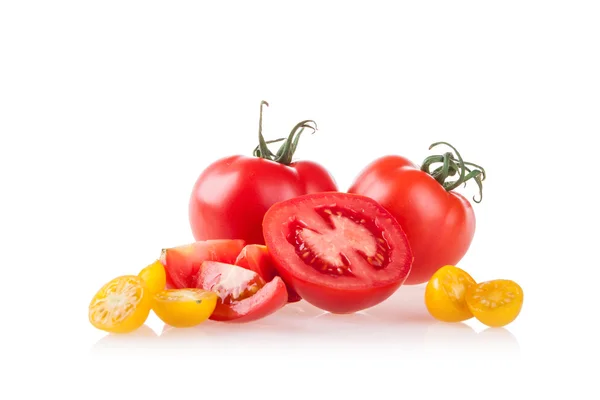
{"x": 499, "y": 341}
{"x": 142, "y": 338}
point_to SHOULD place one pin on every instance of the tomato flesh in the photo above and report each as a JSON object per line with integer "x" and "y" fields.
{"x": 256, "y": 258}
{"x": 243, "y": 295}
{"x": 182, "y": 263}
{"x": 341, "y": 252}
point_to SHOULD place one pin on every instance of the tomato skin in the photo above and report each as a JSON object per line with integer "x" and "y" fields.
{"x": 232, "y": 195}
{"x": 182, "y": 263}
{"x": 440, "y": 225}
{"x": 335, "y": 294}
{"x": 256, "y": 257}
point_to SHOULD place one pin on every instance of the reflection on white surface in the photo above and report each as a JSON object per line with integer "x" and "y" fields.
{"x": 400, "y": 324}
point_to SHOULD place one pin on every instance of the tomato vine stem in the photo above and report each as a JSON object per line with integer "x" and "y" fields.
{"x": 453, "y": 164}
{"x": 285, "y": 153}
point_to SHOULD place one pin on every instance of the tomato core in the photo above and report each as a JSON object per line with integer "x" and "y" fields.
{"x": 331, "y": 252}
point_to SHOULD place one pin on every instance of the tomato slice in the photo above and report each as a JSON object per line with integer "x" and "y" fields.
{"x": 495, "y": 303}
{"x": 341, "y": 252}
{"x": 183, "y": 262}
{"x": 121, "y": 305}
{"x": 256, "y": 257}
{"x": 243, "y": 295}
{"x": 184, "y": 308}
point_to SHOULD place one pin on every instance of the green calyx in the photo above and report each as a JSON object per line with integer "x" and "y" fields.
{"x": 453, "y": 165}
{"x": 285, "y": 153}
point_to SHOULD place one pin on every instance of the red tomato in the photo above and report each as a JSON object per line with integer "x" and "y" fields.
{"x": 340, "y": 252}
{"x": 256, "y": 257}
{"x": 232, "y": 195}
{"x": 439, "y": 223}
{"x": 243, "y": 295}
{"x": 182, "y": 263}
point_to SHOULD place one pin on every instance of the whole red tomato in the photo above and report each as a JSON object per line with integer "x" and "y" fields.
{"x": 232, "y": 195}
{"x": 439, "y": 223}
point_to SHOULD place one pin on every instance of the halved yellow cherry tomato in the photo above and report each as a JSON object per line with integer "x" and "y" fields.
{"x": 120, "y": 306}
{"x": 155, "y": 277}
{"x": 445, "y": 294}
{"x": 183, "y": 308}
{"x": 495, "y": 303}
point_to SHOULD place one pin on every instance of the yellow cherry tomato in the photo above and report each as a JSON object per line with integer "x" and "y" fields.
{"x": 495, "y": 303}
{"x": 183, "y": 308}
{"x": 445, "y": 294}
{"x": 121, "y": 306}
{"x": 155, "y": 277}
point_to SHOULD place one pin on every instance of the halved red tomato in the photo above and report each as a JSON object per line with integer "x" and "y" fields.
{"x": 341, "y": 252}
{"x": 243, "y": 295}
{"x": 182, "y": 263}
{"x": 256, "y": 257}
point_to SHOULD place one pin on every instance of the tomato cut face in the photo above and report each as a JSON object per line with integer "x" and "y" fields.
{"x": 243, "y": 295}
{"x": 495, "y": 303}
{"x": 121, "y": 305}
{"x": 182, "y": 263}
{"x": 340, "y": 252}
{"x": 256, "y": 257}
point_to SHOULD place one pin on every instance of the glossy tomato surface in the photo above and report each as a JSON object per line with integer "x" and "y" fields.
{"x": 340, "y": 252}
{"x": 243, "y": 295}
{"x": 232, "y": 195}
{"x": 182, "y": 263}
{"x": 256, "y": 257}
{"x": 440, "y": 224}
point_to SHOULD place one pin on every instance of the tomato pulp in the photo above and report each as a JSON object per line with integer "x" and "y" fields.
{"x": 439, "y": 223}
{"x": 232, "y": 195}
{"x": 243, "y": 295}
{"x": 340, "y": 252}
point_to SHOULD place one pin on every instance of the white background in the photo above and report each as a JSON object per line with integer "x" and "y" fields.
{"x": 110, "y": 110}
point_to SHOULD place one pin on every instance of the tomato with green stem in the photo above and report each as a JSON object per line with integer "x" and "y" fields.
{"x": 439, "y": 222}
{"x": 232, "y": 195}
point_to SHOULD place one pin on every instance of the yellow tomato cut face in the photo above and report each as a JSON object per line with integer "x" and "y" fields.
{"x": 120, "y": 306}
{"x": 155, "y": 277}
{"x": 445, "y": 294}
{"x": 182, "y": 308}
{"x": 495, "y": 303}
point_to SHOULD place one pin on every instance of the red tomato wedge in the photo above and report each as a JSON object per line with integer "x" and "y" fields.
{"x": 256, "y": 257}
{"x": 341, "y": 252}
{"x": 182, "y": 263}
{"x": 243, "y": 295}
